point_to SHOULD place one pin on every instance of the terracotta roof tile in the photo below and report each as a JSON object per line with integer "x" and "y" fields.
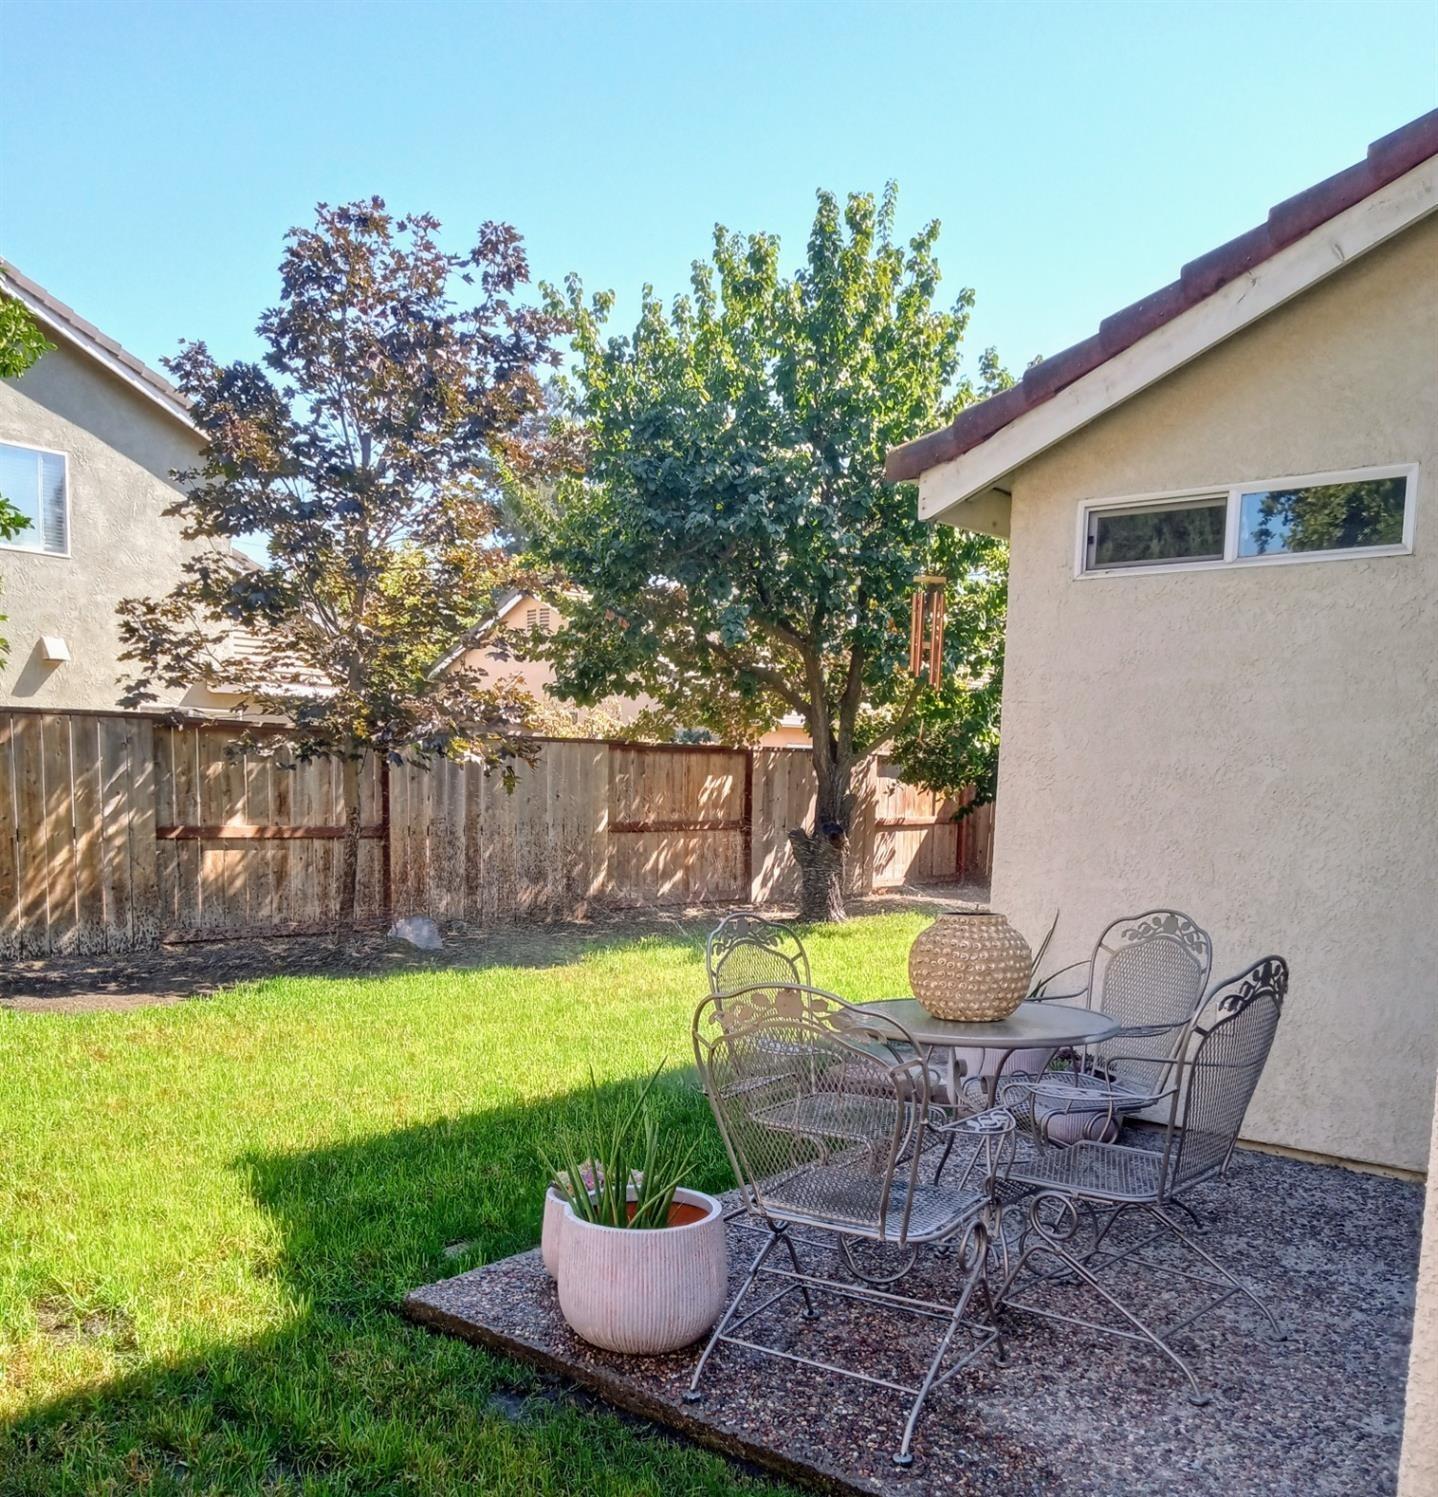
{"x": 1387, "y": 159}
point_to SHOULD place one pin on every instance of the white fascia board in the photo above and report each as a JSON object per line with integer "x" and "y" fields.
{"x": 101, "y": 355}
{"x": 1364, "y": 226}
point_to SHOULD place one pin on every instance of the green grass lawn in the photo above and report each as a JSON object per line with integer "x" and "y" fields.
{"x": 210, "y": 1213}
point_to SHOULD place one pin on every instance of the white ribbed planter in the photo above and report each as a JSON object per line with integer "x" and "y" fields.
{"x": 644, "y": 1292}
{"x": 978, "y": 1062}
{"x": 554, "y": 1204}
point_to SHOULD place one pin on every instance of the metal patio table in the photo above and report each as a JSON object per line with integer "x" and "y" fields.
{"x": 1031, "y": 1026}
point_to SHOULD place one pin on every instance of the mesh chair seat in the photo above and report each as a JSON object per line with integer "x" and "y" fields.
{"x": 1083, "y": 1091}
{"x": 1103, "y": 1171}
{"x": 824, "y": 1115}
{"x": 832, "y": 1195}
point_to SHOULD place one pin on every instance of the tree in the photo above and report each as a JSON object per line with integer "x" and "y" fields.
{"x": 737, "y": 551}
{"x": 21, "y": 345}
{"x": 365, "y": 450}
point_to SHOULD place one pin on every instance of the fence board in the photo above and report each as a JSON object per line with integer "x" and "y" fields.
{"x": 117, "y": 830}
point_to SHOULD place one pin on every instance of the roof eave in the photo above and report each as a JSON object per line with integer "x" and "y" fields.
{"x": 951, "y": 471}
{"x": 1398, "y": 155}
{"x": 54, "y": 320}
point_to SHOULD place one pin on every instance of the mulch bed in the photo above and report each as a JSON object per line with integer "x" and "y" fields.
{"x": 1333, "y": 1250}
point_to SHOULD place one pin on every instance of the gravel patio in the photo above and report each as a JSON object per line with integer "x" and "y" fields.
{"x": 1316, "y": 1415}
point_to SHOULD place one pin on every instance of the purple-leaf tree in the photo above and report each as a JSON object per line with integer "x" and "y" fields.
{"x": 398, "y": 378}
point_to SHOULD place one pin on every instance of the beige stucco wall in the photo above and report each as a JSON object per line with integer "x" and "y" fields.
{"x": 1257, "y": 746}
{"x": 1418, "y": 1475}
{"x": 120, "y": 447}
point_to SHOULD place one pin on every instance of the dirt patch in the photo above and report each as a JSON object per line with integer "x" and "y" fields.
{"x": 185, "y": 971}
{"x": 59, "y": 1320}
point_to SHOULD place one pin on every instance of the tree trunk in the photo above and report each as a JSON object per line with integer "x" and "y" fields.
{"x": 821, "y": 875}
{"x": 349, "y": 866}
{"x": 820, "y": 850}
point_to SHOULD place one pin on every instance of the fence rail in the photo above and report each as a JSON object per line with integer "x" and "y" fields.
{"x": 119, "y": 830}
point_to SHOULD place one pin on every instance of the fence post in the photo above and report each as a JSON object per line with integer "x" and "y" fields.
{"x": 748, "y": 832}
{"x": 386, "y": 855}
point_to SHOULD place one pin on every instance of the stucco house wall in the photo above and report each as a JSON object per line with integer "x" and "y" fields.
{"x": 1255, "y": 745}
{"x": 1418, "y": 1474}
{"x": 120, "y": 449}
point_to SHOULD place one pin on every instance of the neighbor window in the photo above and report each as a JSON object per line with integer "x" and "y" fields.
{"x": 33, "y": 482}
{"x": 1294, "y": 519}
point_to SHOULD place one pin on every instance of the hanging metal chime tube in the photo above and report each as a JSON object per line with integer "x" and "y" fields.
{"x": 926, "y": 628}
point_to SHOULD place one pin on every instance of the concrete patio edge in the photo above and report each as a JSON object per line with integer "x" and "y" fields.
{"x": 624, "y": 1394}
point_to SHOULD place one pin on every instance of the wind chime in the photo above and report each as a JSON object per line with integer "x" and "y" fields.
{"x": 926, "y": 627}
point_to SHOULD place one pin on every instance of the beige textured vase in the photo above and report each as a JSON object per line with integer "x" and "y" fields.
{"x": 644, "y": 1292}
{"x": 972, "y": 967}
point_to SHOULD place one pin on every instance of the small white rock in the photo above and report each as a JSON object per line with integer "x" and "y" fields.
{"x": 419, "y": 931}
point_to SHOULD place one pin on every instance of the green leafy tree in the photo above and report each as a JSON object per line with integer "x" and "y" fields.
{"x": 365, "y": 449}
{"x": 21, "y": 345}
{"x": 736, "y": 550}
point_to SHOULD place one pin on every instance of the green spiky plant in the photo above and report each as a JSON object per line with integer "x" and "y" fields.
{"x": 616, "y": 1148}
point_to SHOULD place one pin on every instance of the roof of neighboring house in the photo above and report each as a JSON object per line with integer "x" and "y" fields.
{"x": 1288, "y": 222}
{"x": 472, "y": 636}
{"x": 241, "y": 648}
{"x": 56, "y": 316}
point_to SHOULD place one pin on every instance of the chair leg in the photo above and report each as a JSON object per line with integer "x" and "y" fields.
{"x": 1198, "y": 1223}
{"x": 810, "y": 1313}
{"x": 1048, "y": 1244}
{"x": 1228, "y": 1277}
{"x": 979, "y": 1237}
{"x": 692, "y": 1394}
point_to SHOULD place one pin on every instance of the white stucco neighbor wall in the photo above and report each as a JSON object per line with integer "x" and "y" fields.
{"x": 120, "y": 447}
{"x": 1257, "y": 746}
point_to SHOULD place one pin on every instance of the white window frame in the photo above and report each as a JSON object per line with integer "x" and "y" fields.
{"x": 40, "y": 550}
{"x": 1232, "y": 495}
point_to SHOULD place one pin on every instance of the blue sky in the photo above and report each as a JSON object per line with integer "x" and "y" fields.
{"x": 153, "y": 154}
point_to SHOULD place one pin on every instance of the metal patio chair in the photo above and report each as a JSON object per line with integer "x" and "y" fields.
{"x": 1093, "y": 1186}
{"x": 743, "y": 951}
{"x": 1149, "y": 973}
{"x": 823, "y": 1111}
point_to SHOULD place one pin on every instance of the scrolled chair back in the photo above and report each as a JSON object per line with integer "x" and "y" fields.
{"x": 1218, "y": 1081}
{"x": 822, "y": 1107}
{"x": 744, "y": 950}
{"x": 1149, "y": 972}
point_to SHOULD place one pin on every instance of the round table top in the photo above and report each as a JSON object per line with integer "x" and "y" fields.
{"x": 1030, "y": 1026}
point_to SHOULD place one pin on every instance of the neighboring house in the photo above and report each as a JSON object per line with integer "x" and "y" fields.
{"x": 501, "y": 657}
{"x": 88, "y": 438}
{"x": 1221, "y": 680}
{"x": 520, "y": 612}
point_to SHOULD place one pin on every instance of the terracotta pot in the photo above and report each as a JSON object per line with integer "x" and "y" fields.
{"x": 970, "y": 966}
{"x": 650, "y": 1291}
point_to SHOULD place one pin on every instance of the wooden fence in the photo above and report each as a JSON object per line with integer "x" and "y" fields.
{"x": 119, "y": 830}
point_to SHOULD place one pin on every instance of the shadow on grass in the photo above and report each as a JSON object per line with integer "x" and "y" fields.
{"x": 347, "y": 1397}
